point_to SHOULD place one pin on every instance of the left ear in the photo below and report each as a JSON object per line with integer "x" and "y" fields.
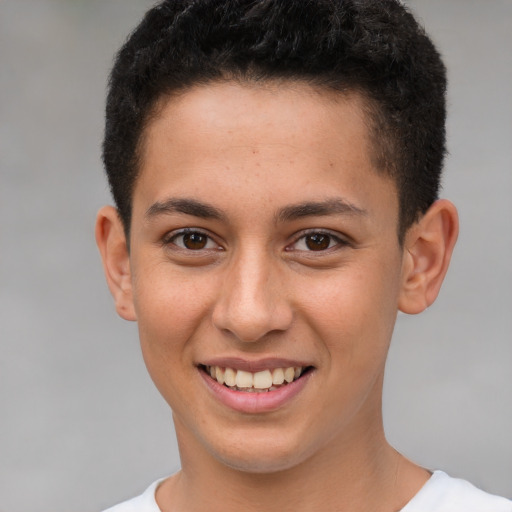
{"x": 428, "y": 248}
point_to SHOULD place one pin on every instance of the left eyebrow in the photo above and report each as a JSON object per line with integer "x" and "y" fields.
{"x": 335, "y": 206}
{"x": 185, "y": 206}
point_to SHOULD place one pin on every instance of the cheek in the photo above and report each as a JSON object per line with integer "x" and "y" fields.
{"x": 354, "y": 310}
{"x": 170, "y": 312}
{"x": 171, "y": 306}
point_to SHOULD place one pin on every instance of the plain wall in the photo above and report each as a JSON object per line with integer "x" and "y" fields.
{"x": 81, "y": 425}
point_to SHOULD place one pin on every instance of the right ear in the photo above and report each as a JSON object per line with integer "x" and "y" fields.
{"x": 111, "y": 241}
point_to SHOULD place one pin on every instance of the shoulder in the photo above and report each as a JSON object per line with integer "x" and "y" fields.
{"x": 146, "y": 502}
{"x": 445, "y": 494}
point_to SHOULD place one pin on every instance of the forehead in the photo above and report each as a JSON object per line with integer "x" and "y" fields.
{"x": 270, "y": 137}
{"x": 248, "y": 105}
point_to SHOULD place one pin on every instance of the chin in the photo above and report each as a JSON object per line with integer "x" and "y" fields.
{"x": 259, "y": 465}
{"x": 264, "y": 457}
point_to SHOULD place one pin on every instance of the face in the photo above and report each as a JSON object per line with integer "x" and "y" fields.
{"x": 264, "y": 253}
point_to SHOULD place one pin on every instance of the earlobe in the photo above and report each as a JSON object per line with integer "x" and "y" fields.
{"x": 428, "y": 249}
{"x": 111, "y": 241}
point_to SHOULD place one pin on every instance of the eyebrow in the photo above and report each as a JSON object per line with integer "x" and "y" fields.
{"x": 333, "y": 206}
{"x": 186, "y": 206}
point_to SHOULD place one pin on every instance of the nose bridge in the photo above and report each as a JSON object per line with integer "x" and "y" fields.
{"x": 252, "y": 301}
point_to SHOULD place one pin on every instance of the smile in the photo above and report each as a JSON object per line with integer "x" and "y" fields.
{"x": 255, "y": 382}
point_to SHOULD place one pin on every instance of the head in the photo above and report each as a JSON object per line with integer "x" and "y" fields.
{"x": 375, "y": 49}
{"x": 275, "y": 166}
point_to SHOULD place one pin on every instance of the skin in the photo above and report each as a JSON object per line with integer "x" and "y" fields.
{"x": 231, "y": 162}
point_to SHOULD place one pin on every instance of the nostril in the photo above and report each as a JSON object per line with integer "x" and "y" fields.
{"x": 250, "y": 325}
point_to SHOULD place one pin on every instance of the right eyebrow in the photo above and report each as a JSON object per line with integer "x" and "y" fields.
{"x": 184, "y": 205}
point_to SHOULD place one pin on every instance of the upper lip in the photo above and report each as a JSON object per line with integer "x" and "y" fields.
{"x": 253, "y": 366}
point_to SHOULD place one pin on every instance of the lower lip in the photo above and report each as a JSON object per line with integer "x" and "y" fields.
{"x": 254, "y": 403}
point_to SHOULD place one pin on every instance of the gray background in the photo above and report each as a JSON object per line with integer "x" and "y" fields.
{"x": 81, "y": 426}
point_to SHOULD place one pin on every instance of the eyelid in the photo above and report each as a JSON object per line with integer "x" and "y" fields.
{"x": 341, "y": 241}
{"x": 168, "y": 238}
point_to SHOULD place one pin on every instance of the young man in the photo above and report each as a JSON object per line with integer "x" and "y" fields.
{"x": 275, "y": 166}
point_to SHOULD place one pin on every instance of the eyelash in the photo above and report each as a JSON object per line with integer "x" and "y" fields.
{"x": 333, "y": 241}
{"x": 170, "y": 239}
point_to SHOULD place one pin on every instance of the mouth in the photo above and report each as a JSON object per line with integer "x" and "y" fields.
{"x": 255, "y": 382}
{"x": 256, "y": 387}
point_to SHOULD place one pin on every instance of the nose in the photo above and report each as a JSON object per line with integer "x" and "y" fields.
{"x": 252, "y": 301}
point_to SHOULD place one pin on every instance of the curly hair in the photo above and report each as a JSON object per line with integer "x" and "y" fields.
{"x": 373, "y": 47}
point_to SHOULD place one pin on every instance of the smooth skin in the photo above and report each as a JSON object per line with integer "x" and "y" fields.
{"x": 261, "y": 229}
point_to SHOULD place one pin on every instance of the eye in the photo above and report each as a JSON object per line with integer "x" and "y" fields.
{"x": 316, "y": 241}
{"x": 191, "y": 240}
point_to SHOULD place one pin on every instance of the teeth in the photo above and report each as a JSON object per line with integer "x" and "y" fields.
{"x": 289, "y": 374}
{"x": 278, "y": 376}
{"x": 229, "y": 377}
{"x": 266, "y": 380}
{"x": 262, "y": 380}
{"x": 244, "y": 379}
{"x": 219, "y": 374}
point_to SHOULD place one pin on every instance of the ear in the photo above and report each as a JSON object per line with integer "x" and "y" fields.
{"x": 111, "y": 241}
{"x": 428, "y": 248}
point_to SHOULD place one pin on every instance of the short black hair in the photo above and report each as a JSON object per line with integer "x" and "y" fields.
{"x": 373, "y": 47}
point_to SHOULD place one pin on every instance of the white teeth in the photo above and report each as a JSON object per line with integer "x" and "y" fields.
{"x": 262, "y": 380}
{"x": 278, "y": 376}
{"x": 219, "y": 374}
{"x": 289, "y": 374}
{"x": 266, "y": 380}
{"x": 230, "y": 377}
{"x": 244, "y": 379}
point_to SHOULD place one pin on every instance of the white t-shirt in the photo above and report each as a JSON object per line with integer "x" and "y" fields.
{"x": 441, "y": 493}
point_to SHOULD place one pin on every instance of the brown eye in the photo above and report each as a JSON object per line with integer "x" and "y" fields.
{"x": 317, "y": 241}
{"x": 195, "y": 241}
{"x": 191, "y": 241}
